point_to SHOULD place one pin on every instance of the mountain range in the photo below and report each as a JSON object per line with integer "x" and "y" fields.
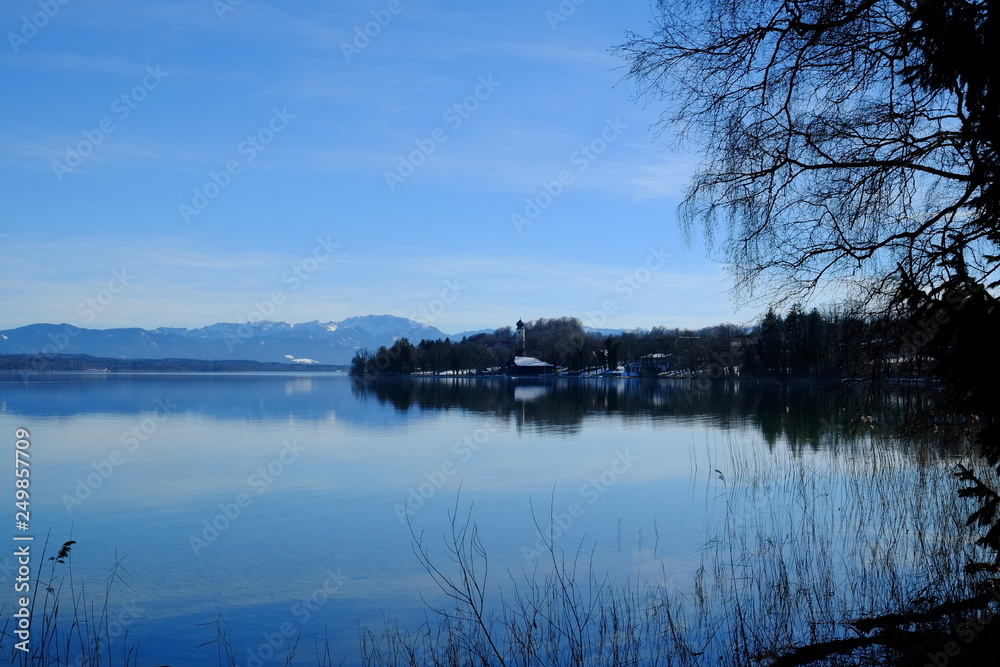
{"x": 310, "y": 342}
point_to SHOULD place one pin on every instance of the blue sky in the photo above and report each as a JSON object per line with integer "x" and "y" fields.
{"x": 191, "y": 162}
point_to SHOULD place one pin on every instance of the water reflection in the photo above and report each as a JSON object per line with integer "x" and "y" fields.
{"x": 368, "y": 447}
{"x": 807, "y": 415}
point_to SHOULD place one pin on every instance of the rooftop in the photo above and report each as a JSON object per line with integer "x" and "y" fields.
{"x": 529, "y": 361}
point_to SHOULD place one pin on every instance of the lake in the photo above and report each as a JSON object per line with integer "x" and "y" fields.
{"x": 265, "y": 507}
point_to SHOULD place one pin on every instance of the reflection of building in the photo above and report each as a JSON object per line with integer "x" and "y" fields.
{"x": 526, "y": 393}
{"x": 529, "y": 367}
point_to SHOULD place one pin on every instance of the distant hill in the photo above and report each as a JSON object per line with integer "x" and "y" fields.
{"x": 28, "y": 363}
{"x": 604, "y": 332}
{"x": 469, "y": 334}
{"x": 309, "y": 343}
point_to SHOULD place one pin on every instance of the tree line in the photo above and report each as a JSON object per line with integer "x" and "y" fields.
{"x": 829, "y": 343}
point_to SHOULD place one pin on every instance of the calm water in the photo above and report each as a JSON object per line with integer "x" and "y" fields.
{"x": 281, "y": 501}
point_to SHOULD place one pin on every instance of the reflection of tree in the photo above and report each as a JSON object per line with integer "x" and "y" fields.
{"x": 807, "y": 415}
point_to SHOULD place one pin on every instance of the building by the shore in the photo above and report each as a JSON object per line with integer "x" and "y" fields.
{"x": 529, "y": 367}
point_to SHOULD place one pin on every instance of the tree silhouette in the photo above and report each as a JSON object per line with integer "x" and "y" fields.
{"x": 855, "y": 144}
{"x": 840, "y": 140}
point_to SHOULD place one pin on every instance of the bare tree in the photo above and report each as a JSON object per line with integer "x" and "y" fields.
{"x": 853, "y": 143}
{"x": 843, "y": 140}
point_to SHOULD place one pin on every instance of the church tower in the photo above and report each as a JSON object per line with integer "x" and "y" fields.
{"x": 521, "y": 348}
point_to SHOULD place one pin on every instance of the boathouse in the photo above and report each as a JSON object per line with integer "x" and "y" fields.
{"x": 529, "y": 367}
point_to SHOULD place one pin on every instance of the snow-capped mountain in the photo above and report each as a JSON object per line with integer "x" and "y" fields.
{"x": 322, "y": 342}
